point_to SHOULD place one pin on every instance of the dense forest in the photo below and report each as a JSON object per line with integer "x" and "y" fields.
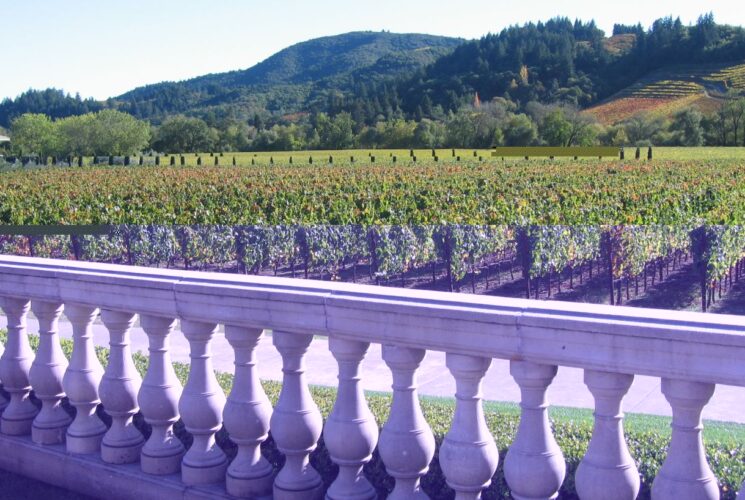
{"x": 557, "y": 61}
{"x": 52, "y": 102}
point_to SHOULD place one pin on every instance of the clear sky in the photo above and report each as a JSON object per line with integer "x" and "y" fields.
{"x": 102, "y": 48}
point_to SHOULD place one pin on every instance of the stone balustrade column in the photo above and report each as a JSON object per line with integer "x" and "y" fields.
{"x": 47, "y": 370}
{"x": 468, "y": 455}
{"x": 3, "y": 400}
{"x": 407, "y": 444}
{"x": 607, "y": 471}
{"x": 158, "y": 400}
{"x": 351, "y": 433}
{"x": 534, "y": 466}
{"x": 246, "y": 417}
{"x": 122, "y": 443}
{"x": 685, "y": 474}
{"x": 201, "y": 406}
{"x": 81, "y": 381}
{"x": 296, "y": 422}
{"x": 15, "y": 365}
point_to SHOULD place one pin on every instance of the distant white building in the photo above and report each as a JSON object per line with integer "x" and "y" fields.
{"x": 4, "y": 138}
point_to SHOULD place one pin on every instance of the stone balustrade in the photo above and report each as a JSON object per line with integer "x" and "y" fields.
{"x": 689, "y": 352}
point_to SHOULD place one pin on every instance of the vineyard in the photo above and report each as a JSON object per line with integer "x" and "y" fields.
{"x": 537, "y": 260}
{"x": 467, "y": 223}
{"x": 665, "y": 91}
{"x": 491, "y": 192}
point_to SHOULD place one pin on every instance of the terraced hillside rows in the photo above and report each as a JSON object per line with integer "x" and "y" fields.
{"x": 666, "y": 91}
{"x": 732, "y": 76}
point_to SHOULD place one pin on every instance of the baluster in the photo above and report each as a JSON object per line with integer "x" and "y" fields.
{"x": 296, "y": 422}
{"x": 81, "y": 382}
{"x": 607, "y": 472}
{"x": 534, "y": 466}
{"x": 407, "y": 444}
{"x": 122, "y": 443}
{"x": 685, "y": 474}
{"x": 158, "y": 400}
{"x": 3, "y": 399}
{"x": 15, "y": 364}
{"x": 201, "y": 406}
{"x": 468, "y": 455}
{"x": 246, "y": 417}
{"x": 351, "y": 432}
{"x": 47, "y": 370}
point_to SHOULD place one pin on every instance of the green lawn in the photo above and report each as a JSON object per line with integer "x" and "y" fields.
{"x": 699, "y": 153}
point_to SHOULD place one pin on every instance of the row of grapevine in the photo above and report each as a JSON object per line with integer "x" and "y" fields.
{"x": 632, "y": 252}
{"x": 390, "y": 250}
{"x": 546, "y": 255}
{"x": 719, "y": 254}
{"x": 545, "y": 251}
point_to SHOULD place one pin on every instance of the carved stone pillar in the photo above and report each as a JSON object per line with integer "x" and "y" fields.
{"x": 15, "y": 365}
{"x": 534, "y": 466}
{"x": 246, "y": 417}
{"x": 47, "y": 370}
{"x": 468, "y": 455}
{"x": 158, "y": 400}
{"x": 607, "y": 472}
{"x": 201, "y": 406}
{"x": 407, "y": 444}
{"x": 119, "y": 387}
{"x": 296, "y": 422}
{"x": 3, "y": 399}
{"x": 351, "y": 432}
{"x": 685, "y": 474}
{"x": 81, "y": 382}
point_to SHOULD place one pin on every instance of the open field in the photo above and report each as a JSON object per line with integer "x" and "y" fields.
{"x": 362, "y": 157}
{"x": 700, "y": 154}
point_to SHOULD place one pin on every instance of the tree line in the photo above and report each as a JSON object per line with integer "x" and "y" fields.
{"x": 106, "y": 132}
{"x": 497, "y": 123}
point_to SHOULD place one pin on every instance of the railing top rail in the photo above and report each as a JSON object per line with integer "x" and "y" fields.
{"x": 675, "y": 344}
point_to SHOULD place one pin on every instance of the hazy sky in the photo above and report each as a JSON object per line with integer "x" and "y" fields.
{"x": 102, "y": 48}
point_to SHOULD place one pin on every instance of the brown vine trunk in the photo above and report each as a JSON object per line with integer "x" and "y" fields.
{"x": 571, "y": 277}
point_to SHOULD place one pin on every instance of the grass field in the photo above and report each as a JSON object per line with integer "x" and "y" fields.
{"x": 700, "y": 154}
{"x": 396, "y": 156}
{"x": 403, "y": 156}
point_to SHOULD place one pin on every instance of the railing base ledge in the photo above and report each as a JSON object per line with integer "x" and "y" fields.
{"x": 89, "y": 475}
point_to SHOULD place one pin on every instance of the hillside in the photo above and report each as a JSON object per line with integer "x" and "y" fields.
{"x": 381, "y": 75}
{"x": 575, "y": 62}
{"x": 294, "y": 78}
{"x": 669, "y": 89}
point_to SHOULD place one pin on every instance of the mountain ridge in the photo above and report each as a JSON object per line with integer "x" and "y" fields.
{"x": 301, "y": 70}
{"x": 381, "y": 75}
